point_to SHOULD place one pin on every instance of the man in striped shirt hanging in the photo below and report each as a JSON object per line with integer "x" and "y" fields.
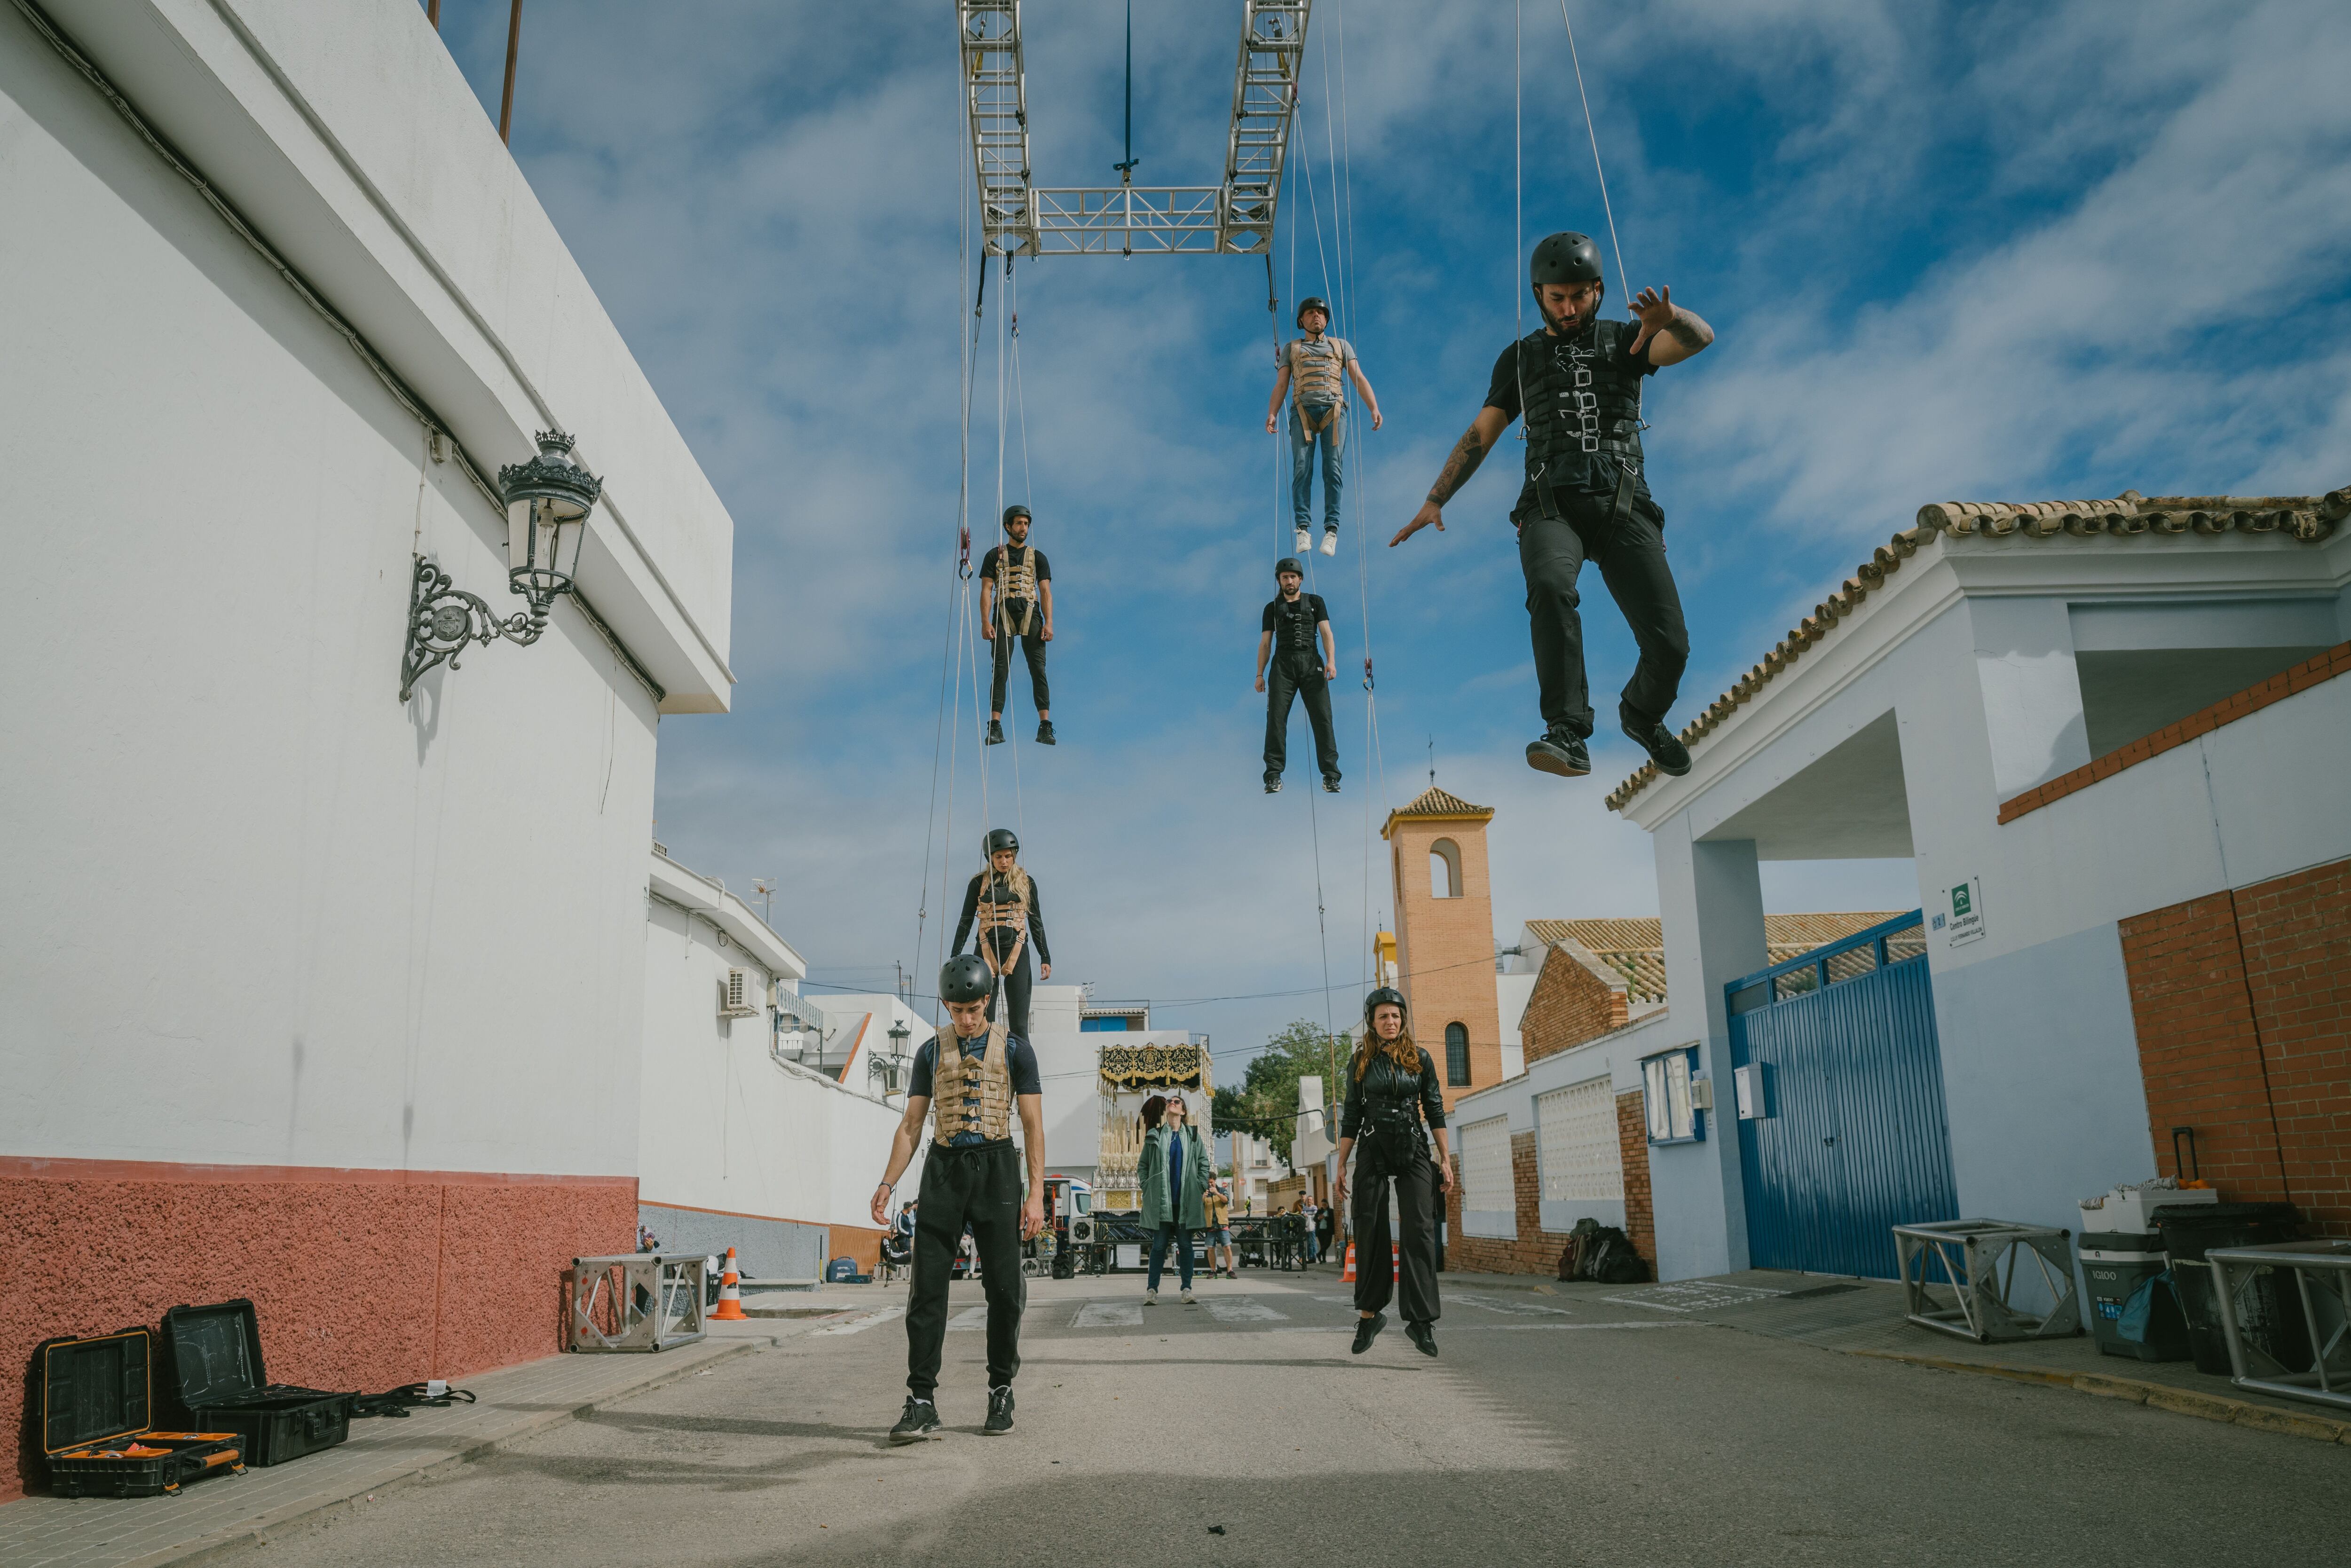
{"x": 1319, "y": 367}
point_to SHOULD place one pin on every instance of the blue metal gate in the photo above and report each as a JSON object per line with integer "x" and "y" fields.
{"x": 1839, "y": 1086}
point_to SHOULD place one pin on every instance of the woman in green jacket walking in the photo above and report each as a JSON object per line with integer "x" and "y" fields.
{"x": 1174, "y": 1170}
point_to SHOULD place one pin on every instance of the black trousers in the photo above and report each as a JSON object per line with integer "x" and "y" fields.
{"x": 980, "y": 1185}
{"x": 1298, "y": 673}
{"x": 1018, "y": 982}
{"x": 1630, "y": 552}
{"x": 1033, "y": 645}
{"x": 1417, "y": 1215}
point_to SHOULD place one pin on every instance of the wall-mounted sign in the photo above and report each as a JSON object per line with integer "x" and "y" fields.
{"x": 1963, "y": 921}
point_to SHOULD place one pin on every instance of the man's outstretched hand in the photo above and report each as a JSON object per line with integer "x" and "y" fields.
{"x": 1654, "y": 309}
{"x": 1430, "y": 513}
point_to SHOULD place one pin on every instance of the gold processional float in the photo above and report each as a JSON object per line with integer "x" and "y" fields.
{"x": 1127, "y": 1076}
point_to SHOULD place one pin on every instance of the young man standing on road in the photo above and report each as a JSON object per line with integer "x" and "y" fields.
{"x": 1218, "y": 1201}
{"x": 1320, "y": 368}
{"x": 1579, "y": 383}
{"x": 1296, "y": 633}
{"x": 1016, "y": 600}
{"x": 975, "y": 1074}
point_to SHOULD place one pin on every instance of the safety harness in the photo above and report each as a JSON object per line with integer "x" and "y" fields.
{"x": 1579, "y": 401}
{"x": 972, "y": 1093}
{"x": 1015, "y": 584}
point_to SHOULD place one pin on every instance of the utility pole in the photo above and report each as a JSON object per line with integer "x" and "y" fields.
{"x": 514, "y": 43}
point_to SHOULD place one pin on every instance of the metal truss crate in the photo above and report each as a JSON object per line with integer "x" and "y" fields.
{"x": 633, "y": 1301}
{"x": 2322, "y": 1278}
{"x": 1981, "y": 1262}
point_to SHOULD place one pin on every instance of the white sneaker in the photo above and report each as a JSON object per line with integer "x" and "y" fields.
{"x": 1330, "y": 541}
{"x": 1150, "y": 1298}
{"x": 1305, "y": 541}
{"x": 1188, "y": 1298}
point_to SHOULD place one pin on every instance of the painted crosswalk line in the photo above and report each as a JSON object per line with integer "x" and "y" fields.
{"x": 862, "y": 1322}
{"x": 1692, "y": 1298}
{"x": 969, "y": 1318}
{"x": 1242, "y": 1310}
{"x": 1514, "y": 1307}
{"x": 1109, "y": 1315}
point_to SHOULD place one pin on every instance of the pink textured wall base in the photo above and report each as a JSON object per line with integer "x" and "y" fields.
{"x": 362, "y": 1280}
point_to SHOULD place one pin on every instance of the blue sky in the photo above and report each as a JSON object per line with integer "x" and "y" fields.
{"x": 1952, "y": 251}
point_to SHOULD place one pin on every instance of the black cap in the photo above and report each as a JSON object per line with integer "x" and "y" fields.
{"x": 1565, "y": 258}
{"x": 1387, "y": 995}
{"x": 1015, "y": 510}
{"x": 965, "y": 978}
{"x": 1003, "y": 839}
{"x": 1288, "y": 563}
{"x": 1312, "y": 302}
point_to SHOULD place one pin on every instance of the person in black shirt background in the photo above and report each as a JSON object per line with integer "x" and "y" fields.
{"x": 1579, "y": 381}
{"x": 1393, "y": 1108}
{"x": 1004, "y": 901}
{"x": 1296, "y": 633}
{"x": 1016, "y": 600}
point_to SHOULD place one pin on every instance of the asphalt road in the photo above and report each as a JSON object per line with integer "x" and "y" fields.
{"x": 1550, "y": 1430}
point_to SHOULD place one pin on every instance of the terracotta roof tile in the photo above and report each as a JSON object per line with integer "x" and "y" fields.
{"x": 1438, "y": 803}
{"x": 1635, "y": 949}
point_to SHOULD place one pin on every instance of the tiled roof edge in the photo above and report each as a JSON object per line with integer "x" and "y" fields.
{"x": 2307, "y": 518}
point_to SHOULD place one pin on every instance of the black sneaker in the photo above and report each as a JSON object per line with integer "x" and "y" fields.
{"x": 1664, "y": 747}
{"x": 1000, "y": 1410}
{"x": 1422, "y": 1337}
{"x": 1272, "y": 786}
{"x": 919, "y": 1422}
{"x": 995, "y": 731}
{"x": 1045, "y": 732}
{"x": 1367, "y": 1330}
{"x": 1331, "y": 783}
{"x": 1558, "y": 752}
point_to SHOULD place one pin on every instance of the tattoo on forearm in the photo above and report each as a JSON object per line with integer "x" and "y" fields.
{"x": 1468, "y": 453}
{"x": 1685, "y": 330}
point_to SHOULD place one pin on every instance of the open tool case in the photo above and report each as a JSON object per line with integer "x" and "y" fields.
{"x": 97, "y": 1399}
{"x": 218, "y": 1382}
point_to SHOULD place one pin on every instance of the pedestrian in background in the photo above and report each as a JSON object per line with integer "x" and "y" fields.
{"x": 1321, "y": 1231}
{"x": 1218, "y": 1206}
{"x": 1174, "y": 1173}
{"x": 1311, "y": 1213}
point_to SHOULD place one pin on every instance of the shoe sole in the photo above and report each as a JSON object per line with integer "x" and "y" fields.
{"x": 1657, "y": 761}
{"x": 995, "y": 1432}
{"x": 1047, "y": 740}
{"x": 1542, "y": 761}
{"x": 932, "y": 1436}
{"x": 993, "y": 740}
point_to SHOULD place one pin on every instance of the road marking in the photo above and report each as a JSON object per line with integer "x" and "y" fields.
{"x": 969, "y": 1318}
{"x": 1242, "y": 1310}
{"x": 1693, "y": 1297}
{"x": 860, "y": 1325}
{"x": 1109, "y": 1315}
{"x": 1516, "y": 1309}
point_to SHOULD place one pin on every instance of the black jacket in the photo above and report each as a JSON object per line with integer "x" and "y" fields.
{"x": 1382, "y": 1098}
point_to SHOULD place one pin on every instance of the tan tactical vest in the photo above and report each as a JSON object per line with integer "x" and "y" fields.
{"x": 1016, "y": 583}
{"x": 955, "y": 1076}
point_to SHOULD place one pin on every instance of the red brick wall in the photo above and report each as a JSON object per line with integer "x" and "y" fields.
{"x": 1567, "y": 1006}
{"x": 1633, "y": 1147}
{"x": 1534, "y": 1250}
{"x": 2243, "y": 1006}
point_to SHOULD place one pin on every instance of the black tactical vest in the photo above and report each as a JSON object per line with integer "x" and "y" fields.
{"x": 1296, "y": 625}
{"x": 1580, "y": 399}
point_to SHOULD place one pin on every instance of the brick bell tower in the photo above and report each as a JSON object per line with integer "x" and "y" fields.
{"x": 1445, "y": 936}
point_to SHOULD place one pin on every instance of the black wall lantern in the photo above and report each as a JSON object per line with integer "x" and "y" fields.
{"x": 548, "y": 500}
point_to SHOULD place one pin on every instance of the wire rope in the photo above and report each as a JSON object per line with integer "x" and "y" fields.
{"x": 1621, "y": 281}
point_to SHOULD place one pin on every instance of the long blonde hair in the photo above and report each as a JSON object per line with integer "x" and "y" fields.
{"x": 1400, "y": 1051}
{"x": 1017, "y": 879}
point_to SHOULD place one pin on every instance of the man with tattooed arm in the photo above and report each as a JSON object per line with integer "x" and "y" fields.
{"x": 1578, "y": 380}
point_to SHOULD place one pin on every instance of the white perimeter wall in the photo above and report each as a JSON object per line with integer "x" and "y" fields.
{"x": 258, "y": 911}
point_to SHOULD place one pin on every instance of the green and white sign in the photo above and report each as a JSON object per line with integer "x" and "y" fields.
{"x": 1964, "y": 921}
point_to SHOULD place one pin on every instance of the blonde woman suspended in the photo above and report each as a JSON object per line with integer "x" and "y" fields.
{"x": 1003, "y": 900}
{"x": 1393, "y": 1108}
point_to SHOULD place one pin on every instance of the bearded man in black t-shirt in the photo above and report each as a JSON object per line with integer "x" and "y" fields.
{"x": 1579, "y": 383}
{"x": 1295, "y": 635}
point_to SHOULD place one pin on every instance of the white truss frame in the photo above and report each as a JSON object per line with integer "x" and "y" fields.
{"x": 1019, "y": 217}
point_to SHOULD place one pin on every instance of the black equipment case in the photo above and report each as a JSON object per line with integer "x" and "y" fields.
{"x": 217, "y": 1378}
{"x": 97, "y": 1398}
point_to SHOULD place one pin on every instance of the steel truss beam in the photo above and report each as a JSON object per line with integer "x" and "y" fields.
{"x": 1020, "y": 218}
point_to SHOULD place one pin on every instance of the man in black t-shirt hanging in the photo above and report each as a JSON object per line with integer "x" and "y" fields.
{"x": 1305, "y": 661}
{"x": 1579, "y": 383}
{"x": 1015, "y": 600}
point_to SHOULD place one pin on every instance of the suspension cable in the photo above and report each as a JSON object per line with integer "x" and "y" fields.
{"x": 1621, "y": 281}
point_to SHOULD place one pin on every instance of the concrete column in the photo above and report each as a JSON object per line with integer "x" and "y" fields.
{"x": 2032, "y": 693}
{"x": 1710, "y": 897}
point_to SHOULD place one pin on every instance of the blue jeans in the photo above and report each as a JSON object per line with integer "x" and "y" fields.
{"x": 1310, "y": 1254}
{"x": 1183, "y": 1240}
{"x": 1332, "y": 439}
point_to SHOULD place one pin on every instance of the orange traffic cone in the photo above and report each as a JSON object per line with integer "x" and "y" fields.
{"x": 730, "y": 1294}
{"x": 1348, "y": 1272}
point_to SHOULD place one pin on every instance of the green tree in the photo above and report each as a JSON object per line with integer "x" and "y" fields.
{"x": 1266, "y": 1102}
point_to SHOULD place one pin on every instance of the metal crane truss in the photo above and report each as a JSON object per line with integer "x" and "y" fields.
{"x": 1019, "y": 217}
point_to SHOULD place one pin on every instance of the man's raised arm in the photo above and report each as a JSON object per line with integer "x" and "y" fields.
{"x": 1468, "y": 453}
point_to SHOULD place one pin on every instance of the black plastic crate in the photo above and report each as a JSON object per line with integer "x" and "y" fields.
{"x": 96, "y": 1397}
{"x": 218, "y": 1379}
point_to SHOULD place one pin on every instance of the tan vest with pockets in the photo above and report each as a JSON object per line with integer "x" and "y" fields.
{"x": 955, "y": 1077}
{"x": 1015, "y": 584}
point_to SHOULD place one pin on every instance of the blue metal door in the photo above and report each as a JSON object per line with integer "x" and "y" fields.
{"x": 1841, "y": 1132}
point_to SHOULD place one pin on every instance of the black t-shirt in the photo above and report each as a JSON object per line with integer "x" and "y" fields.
{"x": 1593, "y": 474}
{"x": 1292, "y": 623}
{"x": 1022, "y": 1062}
{"x": 987, "y": 561}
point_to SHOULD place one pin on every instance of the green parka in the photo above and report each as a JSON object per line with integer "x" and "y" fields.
{"x": 1150, "y": 1175}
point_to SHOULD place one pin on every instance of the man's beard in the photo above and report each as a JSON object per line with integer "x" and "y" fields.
{"x": 1567, "y": 321}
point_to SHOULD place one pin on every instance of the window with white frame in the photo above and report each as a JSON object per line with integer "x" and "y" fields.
{"x": 1488, "y": 1196}
{"x": 1575, "y": 1143}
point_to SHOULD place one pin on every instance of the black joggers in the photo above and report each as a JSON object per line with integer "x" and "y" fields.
{"x": 1032, "y": 645}
{"x": 1630, "y": 552}
{"x": 1416, "y": 1212}
{"x": 1017, "y": 982}
{"x": 1298, "y": 672}
{"x": 980, "y": 1185}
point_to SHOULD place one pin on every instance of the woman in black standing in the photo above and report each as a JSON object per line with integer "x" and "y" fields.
{"x": 1003, "y": 900}
{"x": 1394, "y": 1109}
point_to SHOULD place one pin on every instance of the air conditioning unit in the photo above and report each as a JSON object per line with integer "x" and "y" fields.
{"x": 743, "y": 995}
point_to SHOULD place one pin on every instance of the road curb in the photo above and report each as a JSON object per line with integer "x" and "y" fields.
{"x": 2160, "y": 1396}
{"x": 308, "y": 1514}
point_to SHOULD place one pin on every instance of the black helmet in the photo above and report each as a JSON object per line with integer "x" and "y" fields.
{"x": 1288, "y": 563}
{"x": 1565, "y": 258}
{"x": 1016, "y": 511}
{"x": 1002, "y": 839}
{"x": 965, "y": 978}
{"x": 1387, "y": 995}
{"x": 1312, "y": 302}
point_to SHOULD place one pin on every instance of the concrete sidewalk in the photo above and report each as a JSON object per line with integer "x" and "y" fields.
{"x": 230, "y": 1511}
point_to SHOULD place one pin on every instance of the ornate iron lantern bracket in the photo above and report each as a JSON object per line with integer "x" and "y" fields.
{"x": 443, "y": 617}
